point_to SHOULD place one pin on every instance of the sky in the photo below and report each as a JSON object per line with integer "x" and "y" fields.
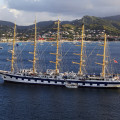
{"x": 24, "y": 12}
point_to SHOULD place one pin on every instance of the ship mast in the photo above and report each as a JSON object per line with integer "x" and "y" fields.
{"x": 57, "y": 50}
{"x": 13, "y": 50}
{"x": 104, "y": 58}
{"x": 81, "y": 54}
{"x": 34, "y": 55}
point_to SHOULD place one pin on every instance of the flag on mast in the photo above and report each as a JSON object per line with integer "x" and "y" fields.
{"x": 115, "y": 61}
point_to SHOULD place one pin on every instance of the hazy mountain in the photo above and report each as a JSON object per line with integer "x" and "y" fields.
{"x": 113, "y": 18}
{"x": 6, "y": 23}
{"x": 110, "y": 24}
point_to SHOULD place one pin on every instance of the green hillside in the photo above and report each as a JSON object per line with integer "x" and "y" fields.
{"x": 111, "y": 25}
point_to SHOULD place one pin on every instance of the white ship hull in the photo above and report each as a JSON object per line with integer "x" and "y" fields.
{"x": 60, "y": 82}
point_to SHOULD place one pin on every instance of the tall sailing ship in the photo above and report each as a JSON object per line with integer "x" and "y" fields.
{"x": 54, "y": 77}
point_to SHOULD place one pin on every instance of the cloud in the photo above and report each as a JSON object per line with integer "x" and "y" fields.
{"x": 5, "y": 14}
{"x": 67, "y": 7}
{"x": 27, "y": 18}
{"x": 24, "y": 11}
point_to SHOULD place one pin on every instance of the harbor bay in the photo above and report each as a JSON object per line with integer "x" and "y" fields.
{"x": 34, "y": 102}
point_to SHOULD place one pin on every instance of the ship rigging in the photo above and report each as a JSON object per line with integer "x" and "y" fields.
{"x": 55, "y": 77}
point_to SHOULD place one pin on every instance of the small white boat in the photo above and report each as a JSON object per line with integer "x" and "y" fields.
{"x": 9, "y": 44}
{"x": 1, "y": 47}
{"x": 71, "y": 85}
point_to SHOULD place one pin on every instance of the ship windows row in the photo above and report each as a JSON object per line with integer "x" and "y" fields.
{"x": 55, "y": 82}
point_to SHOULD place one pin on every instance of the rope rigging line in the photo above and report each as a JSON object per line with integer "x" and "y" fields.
{"x": 67, "y": 52}
{"x": 92, "y": 51}
{"x": 19, "y": 55}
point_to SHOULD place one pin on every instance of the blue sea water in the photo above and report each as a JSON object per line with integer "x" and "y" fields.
{"x": 37, "y": 102}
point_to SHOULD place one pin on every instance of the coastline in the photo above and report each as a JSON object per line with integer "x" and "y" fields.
{"x": 62, "y": 41}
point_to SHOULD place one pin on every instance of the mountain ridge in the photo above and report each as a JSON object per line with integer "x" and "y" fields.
{"x": 110, "y": 24}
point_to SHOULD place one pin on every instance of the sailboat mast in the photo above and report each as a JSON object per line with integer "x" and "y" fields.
{"x": 81, "y": 55}
{"x": 34, "y": 54}
{"x": 13, "y": 50}
{"x": 104, "y": 56}
{"x": 57, "y": 49}
{"x": 57, "y": 60}
{"x": 80, "y": 72}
